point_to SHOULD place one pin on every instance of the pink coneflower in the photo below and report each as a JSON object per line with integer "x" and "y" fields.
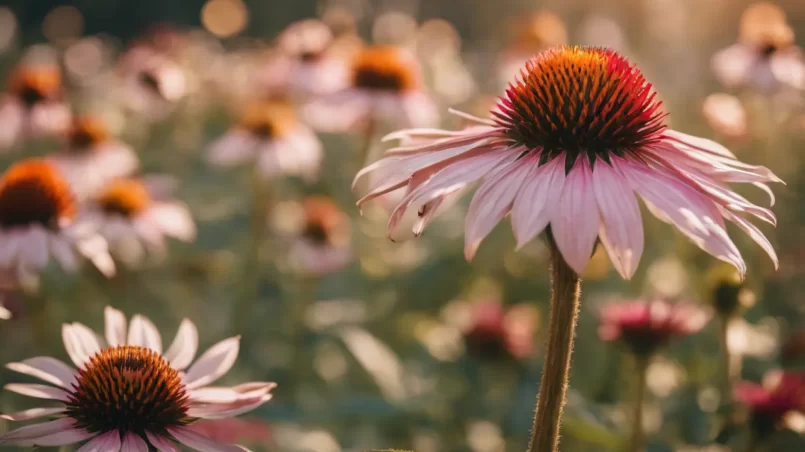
{"x": 127, "y": 394}
{"x": 270, "y": 133}
{"x": 644, "y": 326}
{"x": 574, "y": 139}
{"x": 152, "y": 82}
{"x": 323, "y": 242}
{"x": 765, "y": 56}
{"x": 384, "y": 86}
{"x": 39, "y": 220}
{"x": 135, "y": 223}
{"x": 782, "y": 393}
{"x": 33, "y": 106}
{"x": 494, "y": 333}
{"x": 92, "y": 156}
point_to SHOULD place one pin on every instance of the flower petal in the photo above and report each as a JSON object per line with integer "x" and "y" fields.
{"x": 214, "y": 363}
{"x": 47, "y": 369}
{"x": 38, "y": 391}
{"x": 231, "y": 409}
{"x": 115, "y": 326}
{"x": 32, "y": 413}
{"x": 161, "y": 443}
{"x": 71, "y": 436}
{"x": 36, "y": 431}
{"x": 107, "y": 442}
{"x": 133, "y": 443}
{"x": 576, "y": 221}
{"x": 536, "y": 202}
{"x": 143, "y": 333}
{"x": 80, "y": 342}
{"x": 200, "y": 442}
{"x": 175, "y": 221}
{"x": 183, "y": 348}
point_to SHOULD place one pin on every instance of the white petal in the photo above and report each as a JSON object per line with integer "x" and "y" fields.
{"x": 143, "y": 333}
{"x": 175, "y": 221}
{"x": 47, "y": 369}
{"x": 200, "y": 442}
{"x": 32, "y": 413}
{"x": 214, "y": 363}
{"x": 80, "y": 342}
{"x": 115, "y": 326}
{"x": 38, "y": 391}
{"x": 183, "y": 349}
{"x": 64, "y": 254}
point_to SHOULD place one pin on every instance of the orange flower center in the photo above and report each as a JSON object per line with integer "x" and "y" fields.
{"x": 383, "y": 69}
{"x": 87, "y": 131}
{"x": 36, "y": 84}
{"x": 270, "y": 119}
{"x": 579, "y": 100}
{"x": 125, "y": 197}
{"x": 325, "y": 224}
{"x": 34, "y": 192}
{"x": 128, "y": 389}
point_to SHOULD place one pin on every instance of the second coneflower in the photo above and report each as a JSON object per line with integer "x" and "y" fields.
{"x": 572, "y": 142}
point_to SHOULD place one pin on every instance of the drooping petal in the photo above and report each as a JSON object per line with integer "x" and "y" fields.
{"x": 210, "y": 394}
{"x": 114, "y": 326}
{"x": 143, "y": 333}
{"x": 38, "y": 391}
{"x": 71, "y": 436}
{"x": 36, "y": 431}
{"x": 106, "y": 442}
{"x": 161, "y": 443}
{"x": 32, "y": 413}
{"x": 755, "y": 234}
{"x": 214, "y": 363}
{"x": 576, "y": 221}
{"x": 621, "y": 223}
{"x": 133, "y": 443}
{"x": 47, "y": 369}
{"x": 175, "y": 220}
{"x": 535, "y": 203}
{"x": 183, "y": 348}
{"x": 231, "y": 409}
{"x": 200, "y": 442}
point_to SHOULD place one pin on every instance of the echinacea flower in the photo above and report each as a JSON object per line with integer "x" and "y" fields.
{"x": 92, "y": 156}
{"x": 39, "y": 220}
{"x": 494, "y": 332}
{"x": 135, "y": 223}
{"x": 572, "y": 141}
{"x": 323, "y": 242}
{"x": 151, "y": 81}
{"x": 384, "y": 87}
{"x": 645, "y": 326}
{"x": 770, "y": 404}
{"x": 765, "y": 56}
{"x": 126, "y": 394}
{"x": 33, "y": 106}
{"x": 270, "y": 134}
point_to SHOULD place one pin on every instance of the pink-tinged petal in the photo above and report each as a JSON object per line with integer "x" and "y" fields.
{"x": 143, "y": 333}
{"x": 107, "y": 442}
{"x": 175, "y": 221}
{"x": 690, "y": 211}
{"x": 767, "y": 190}
{"x": 133, "y": 443}
{"x": 231, "y": 409}
{"x": 36, "y": 431}
{"x": 32, "y": 413}
{"x": 38, "y": 391}
{"x": 115, "y": 326}
{"x": 418, "y": 110}
{"x": 733, "y": 65}
{"x": 161, "y": 443}
{"x": 46, "y": 369}
{"x": 471, "y": 117}
{"x": 214, "y": 363}
{"x": 535, "y": 203}
{"x": 80, "y": 342}
{"x": 714, "y": 164}
{"x": 183, "y": 349}
{"x": 621, "y": 223}
{"x": 576, "y": 221}
{"x": 493, "y": 201}
{"x": 96, "y": 250}
{"x": 701, "y": 144}
{"x": 200, "y": 442}
{"x": 71, "y": 436}
{"x": 219, "y": 394}
{"x": 755, "y": 234}
{"x": 234, "y": 148}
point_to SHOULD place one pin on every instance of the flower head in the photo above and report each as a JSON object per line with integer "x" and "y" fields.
{"x": 270, "y": 133}
{"x": 152, "y": 81}
{"x": 33, "y": 106}
{"x": 127, "y": 394}
{"x": 573, "y": 140}
{"x": 38, "y": 219}
{"x": 323, "y": 238}
{"x": 782, "y": 393}
{"x": 646, "y": 326}
{"x": 35, "y": 84}
{"x": 494, "y": 332}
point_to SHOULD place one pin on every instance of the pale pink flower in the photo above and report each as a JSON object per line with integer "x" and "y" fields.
{"x": 765, "y": 56}
{"x": 92, "y": 157}
{"x": 151, "y": 82}
{"x": 384, "y": 87}
{"x": 644, "y": 326}
{"x": 781, "y": 394}
{"x": 323, "y": 243}
{"x": 572, "y": 142}
{"x": 39, "y": 220}
{"x": 270, "y": 134}
{"x": 136, "y": 223}
{"x": 33, "y": 106}
{"x": 126, "y": 394}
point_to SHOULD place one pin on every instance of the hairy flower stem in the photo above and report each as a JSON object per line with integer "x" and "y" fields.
{"x": 565, "y": 292}
{"x": 636, "y": 442}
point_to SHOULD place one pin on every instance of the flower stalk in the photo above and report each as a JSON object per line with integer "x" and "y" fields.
{"x": 565, "y": 292}
{"x": 636, "y": 441}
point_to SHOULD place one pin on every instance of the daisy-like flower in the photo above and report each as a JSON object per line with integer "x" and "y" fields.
{"x": 765, "y": 56}
{"x": 771, "y": 404}
{"x": 494, "y": 332}
{"x": 92, "y": 156}
{"x": 39, "y": 220}
{"x": 573, "y": 140}
{"x": 126, "y": 394}
{"x": 645, "y": 326}
{"x": 323, "y": 240}
{"x": 271, "y": 134}
{"x": 33, "y": 106}
{"x": 136, "y": 223}
{"x": 152, "y": 81}
{"x": 384, "y": 86}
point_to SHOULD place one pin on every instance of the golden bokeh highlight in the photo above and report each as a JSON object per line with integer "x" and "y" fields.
{"x": 225, "y": 18}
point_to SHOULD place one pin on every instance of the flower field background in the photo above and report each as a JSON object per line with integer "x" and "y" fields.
{"x": 378, "y": 344}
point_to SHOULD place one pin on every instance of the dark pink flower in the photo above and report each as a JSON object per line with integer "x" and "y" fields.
{"x": 494, "y": 332}
{"x": 781, "y": 393}
{"x": 644, "y": 326}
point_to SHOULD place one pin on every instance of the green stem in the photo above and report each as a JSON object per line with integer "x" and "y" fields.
{"x": 565, "y": 292}
{"x": 636, "y": 443}
{"x": 731, "y": 363}
{"x": 261, "y": 206}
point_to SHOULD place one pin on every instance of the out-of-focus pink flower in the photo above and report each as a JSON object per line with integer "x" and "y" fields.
{"x": 233, "y": 430}
{"x": 494, "y": 332}
{"x": 725, "y": 114}
{"x": 644, "y": 326}
{"x": 558, "y": 155}
{"x": 384, "y": 86}
{"x": 33, "y": 106}
{"x": 92, "y": 157}
{"x": 270, "y": 133}
{"x": 323, "y": 241}
{"x": 765, "y": 57}
{"x": 531, "y": 35}
{"x": 770, "y": 404}
{"x": 152, "y": 83}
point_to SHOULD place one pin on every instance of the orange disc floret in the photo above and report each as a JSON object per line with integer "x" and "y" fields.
{"x": 325, "y": 223}
{"x": 383, "y": 68}
{"x": 581, "y": 100}
{"x": 33, "y": 84}
{"x": 125, "y": 197}
{"x": 269, "y": 119}
{"x": 87, "y": 131}
{"x": 34, "y": 192}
